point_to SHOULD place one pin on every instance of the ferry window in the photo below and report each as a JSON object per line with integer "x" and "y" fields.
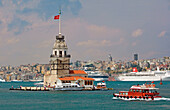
{"x": 126, "y": 93}
{"x": 140, "y": 90}
{"x": 123, "y": 93}
{"x": 131, "y": 90}
{"x": 137, "y": 90}
{"x": 134, "y": 90}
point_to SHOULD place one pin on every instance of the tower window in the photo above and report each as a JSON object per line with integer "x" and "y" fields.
{"x": 65, "y": 53}
{"x": 55, "y": 52}
{"x": 60, "y": 53}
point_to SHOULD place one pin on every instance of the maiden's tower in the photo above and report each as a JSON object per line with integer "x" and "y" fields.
{"x": 60, "y": 74}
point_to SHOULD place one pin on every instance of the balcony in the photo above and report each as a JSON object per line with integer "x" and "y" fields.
{"x": 66, "y": 56}
{"x": 60, "y": 37}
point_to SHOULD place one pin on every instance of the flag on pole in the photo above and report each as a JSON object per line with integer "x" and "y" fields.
{"x": 57, "y": 17}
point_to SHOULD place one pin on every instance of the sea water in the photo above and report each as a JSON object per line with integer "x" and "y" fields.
{"x": 78, "y": 100}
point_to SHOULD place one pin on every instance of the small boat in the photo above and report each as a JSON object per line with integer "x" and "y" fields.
{"x": 139, "y": 92}
{"x": 39, "y": 84}
{"x": 2, "y": 80}
{"x": 101, "y": 86}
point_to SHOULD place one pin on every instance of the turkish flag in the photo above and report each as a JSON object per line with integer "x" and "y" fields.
{"x": 57, "y": 17}
{"x": 135, "y": 69}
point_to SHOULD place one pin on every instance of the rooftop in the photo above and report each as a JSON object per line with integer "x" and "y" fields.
{"x": 74, "y": 78}
{"x": 77, "y": 72}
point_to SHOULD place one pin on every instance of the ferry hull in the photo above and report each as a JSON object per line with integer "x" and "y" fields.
{"x": 138, "y": 99}
{"x": 69, "y": 89}
{"x": 133, "y": 98}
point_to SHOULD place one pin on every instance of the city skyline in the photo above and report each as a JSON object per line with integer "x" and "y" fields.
{"x": 93, "y": 28}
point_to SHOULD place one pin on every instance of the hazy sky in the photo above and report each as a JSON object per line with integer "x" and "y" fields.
{"x": 93, "y": 29}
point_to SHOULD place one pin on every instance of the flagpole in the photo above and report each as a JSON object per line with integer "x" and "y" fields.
{"x": 60, "y": 22}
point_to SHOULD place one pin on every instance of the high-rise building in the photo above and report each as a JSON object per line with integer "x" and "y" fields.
{"x": 136, "y": 57}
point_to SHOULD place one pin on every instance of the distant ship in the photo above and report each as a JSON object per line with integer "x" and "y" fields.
{"x": 97, "y": 76}
{"x": 144, "y": 76}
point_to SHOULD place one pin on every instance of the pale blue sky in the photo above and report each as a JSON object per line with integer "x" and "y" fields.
{"x": 93, "y": 29}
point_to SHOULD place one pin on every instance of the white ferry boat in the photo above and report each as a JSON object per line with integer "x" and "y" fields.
{"x": 144, "y": 76}
{"x": 68, "y": 87}
{"x": 97, "y": 76}
{"x": 101, "y": 86}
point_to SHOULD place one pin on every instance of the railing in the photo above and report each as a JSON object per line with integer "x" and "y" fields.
{"x": 67, "y": 56}
{"x": 59, "y": 37}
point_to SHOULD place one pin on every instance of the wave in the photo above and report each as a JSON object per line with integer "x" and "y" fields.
{"x": 163, "y": 98}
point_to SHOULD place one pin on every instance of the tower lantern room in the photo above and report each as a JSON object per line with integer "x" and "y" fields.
{"x": 60, "y": 47}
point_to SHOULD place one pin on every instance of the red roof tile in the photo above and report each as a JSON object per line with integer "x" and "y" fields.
{"x": 74, "y": 78}
{"x": 77, "y": 72}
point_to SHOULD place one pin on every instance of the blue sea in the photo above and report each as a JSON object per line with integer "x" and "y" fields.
{"x": 78, "y": 100}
